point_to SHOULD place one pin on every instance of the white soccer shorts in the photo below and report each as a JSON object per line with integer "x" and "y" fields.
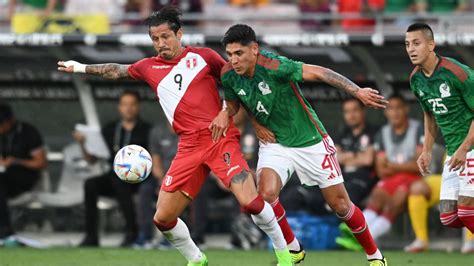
{"x": 457, "y": 183}
{"x": 315, "y": 165}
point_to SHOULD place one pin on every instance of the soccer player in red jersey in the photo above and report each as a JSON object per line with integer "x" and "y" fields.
{"x": 185, "y": 81}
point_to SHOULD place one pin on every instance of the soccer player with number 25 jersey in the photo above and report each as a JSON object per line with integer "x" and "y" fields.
{"x": 445, "y": 90}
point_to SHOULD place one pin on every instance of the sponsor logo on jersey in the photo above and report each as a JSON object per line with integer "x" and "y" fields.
{"x": 191, "y": 63}
{"x": 242, "y": 92}
{"x": 264, "y": 88}
{"x": 261, "y": 108}
{"x": 168, "y": 180}
{"x": 161, "y": 67}
{"x": 444, "y": 90}
{"x": 227, "y": 158}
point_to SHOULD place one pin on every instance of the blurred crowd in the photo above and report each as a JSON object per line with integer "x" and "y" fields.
{"x": 378, "y": 165}
{"x": 316, "y": 14}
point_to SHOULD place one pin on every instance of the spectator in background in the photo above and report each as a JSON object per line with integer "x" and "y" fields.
{"x": 129, "y": 129}
{"x": 308, "y": 7}
{"x": 398, "y": 145}
{"x": 355, "y": 154}
{"x": 250, "y": 3}
{"x": 43, "y": 7}
{"x": 362, "y": 7}
{"x": 112, "y": 8}
{"x": 415, "y": 6}
{"x": 22, "y": 157}
{"x": 444, "y": 6}
{"x": 163, "y": 143}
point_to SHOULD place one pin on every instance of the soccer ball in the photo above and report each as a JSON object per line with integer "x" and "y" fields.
{"x": 132, "y": 164}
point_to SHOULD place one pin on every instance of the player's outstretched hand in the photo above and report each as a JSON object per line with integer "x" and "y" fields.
{"x": 458, "y": 160}
{"x": 371, "y": 98}
{"x": 71, "y": 67}
{"x": 264, "y": 134}
{"x": 219, "y": 125}
{"x": 423, "y": 163}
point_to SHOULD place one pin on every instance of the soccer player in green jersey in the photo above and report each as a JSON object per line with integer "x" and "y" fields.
{"x": 445, "y": 90}
{"x": 266, "y": 84}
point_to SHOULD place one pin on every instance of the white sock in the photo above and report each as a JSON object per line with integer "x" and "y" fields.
{"x": 294, "y": 245}
{"x": 266, "y": 220}
{"x": 376, "y": 255}
{"x": 380, "y": 226}
{"x": 370, "y": 217}
{"x": 180, "y": 238}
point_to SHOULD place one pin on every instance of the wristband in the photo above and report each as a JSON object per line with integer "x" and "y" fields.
{"x": 77, "y": 67}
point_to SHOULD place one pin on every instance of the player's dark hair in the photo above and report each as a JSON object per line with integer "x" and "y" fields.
{"x": 423, "y": 27}
{"x": 133, "y": 93}
{"x": 397, "y": 96}
{"x": 239, "y": 33}
{"x": 6, "y": 112}
{"x": 168, "y": 14}
{"x": 350, "y": 99}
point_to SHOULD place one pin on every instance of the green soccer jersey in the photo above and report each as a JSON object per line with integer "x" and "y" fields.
{"x": 449, "y": 95}
{"x": 273, "y": 96}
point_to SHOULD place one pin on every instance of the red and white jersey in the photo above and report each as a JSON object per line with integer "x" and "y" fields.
{"x": 186, "y": 86}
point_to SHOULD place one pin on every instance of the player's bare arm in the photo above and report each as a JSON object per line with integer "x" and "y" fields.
{"x": 368, "y": 96}
{"x": 458, "y": 160}
{"x": 431, "y": 130}
{"x": 110, "y": 71}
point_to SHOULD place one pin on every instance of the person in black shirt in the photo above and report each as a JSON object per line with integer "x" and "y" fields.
{"x": 128, "y": 130}
{"x": 22, "y": 157}
{"x": 355, "y": 151}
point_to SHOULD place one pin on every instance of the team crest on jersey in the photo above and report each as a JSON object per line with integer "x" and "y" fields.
{"x": 191, "y": 63}
{"x": 264, "y": 88}
{"x": 444, "y": 90}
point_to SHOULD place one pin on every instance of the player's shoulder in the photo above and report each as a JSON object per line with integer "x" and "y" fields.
{"x": 269, "y": 60}
{"x": 227, "y": 70}
{"x": 455, "y": 67}
{"x": 202, "y": 51}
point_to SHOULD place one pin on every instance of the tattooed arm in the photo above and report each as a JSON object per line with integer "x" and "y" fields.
{"x": 108, "y": 71}
{"x": 368, "y": 96}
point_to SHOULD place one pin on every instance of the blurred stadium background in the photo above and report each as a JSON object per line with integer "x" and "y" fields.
{"x": 364, "y": 41}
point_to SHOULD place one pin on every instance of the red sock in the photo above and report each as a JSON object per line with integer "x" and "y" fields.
{"x": 451, "y": 219}
{"x": 282, "y": 221}
{"x": 466, "y": 214}
{"x": 356, "y": 222}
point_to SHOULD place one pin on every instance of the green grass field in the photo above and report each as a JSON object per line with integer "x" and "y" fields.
{"x": 128, "y": 257}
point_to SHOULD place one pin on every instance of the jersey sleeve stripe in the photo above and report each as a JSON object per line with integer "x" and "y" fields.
{"x": 226, "y": 68}
{"x": 268, "y": 62}
{"x": 454, "y": 68}
{"x": 413, "y": 72}
{"x": 306, "y": 109}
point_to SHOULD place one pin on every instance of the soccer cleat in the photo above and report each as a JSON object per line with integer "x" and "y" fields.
{"x": 203, "y": 261}
{"x": 378, "y": 262}
{"x": 345, "y": 230}
{"x": 298, "y": 256}
{"x": 283, "y": 257}
{"x": 417, "y": 246}
{"x": 349, "y": 243}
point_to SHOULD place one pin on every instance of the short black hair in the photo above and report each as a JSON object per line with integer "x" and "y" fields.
{"x": 397, "y": 96}
{"x": 239, "y": 33}
{"x": 168, "y": 14}
{"x": 6, "y": 113}
{"x": 129, "y": 92}
{"x": 350, "y": 99}
{"x": 425, "y": 28}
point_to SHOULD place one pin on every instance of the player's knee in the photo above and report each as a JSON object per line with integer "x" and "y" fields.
{"x": 268, "y": 193}
{"x": 164, "y": 222}
{"x": 255, "y": 206}
{"x": 340, "y": 206}
{"x": 419, "y": 188}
